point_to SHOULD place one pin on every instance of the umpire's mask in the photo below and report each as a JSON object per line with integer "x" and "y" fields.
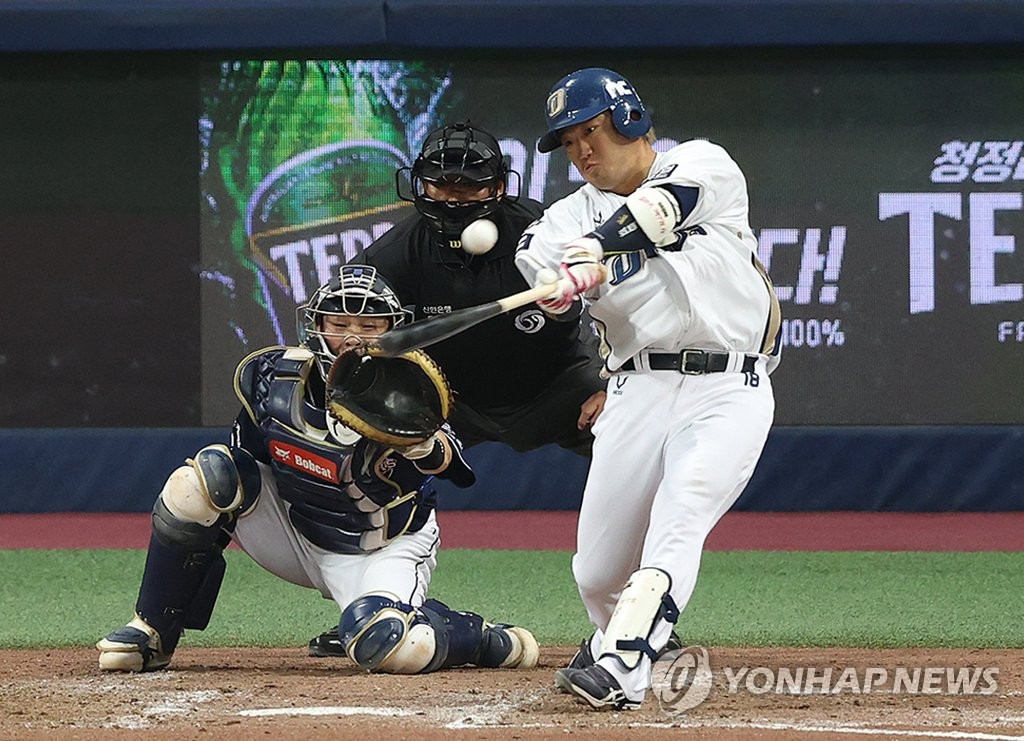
{"x": 456, "y": 154}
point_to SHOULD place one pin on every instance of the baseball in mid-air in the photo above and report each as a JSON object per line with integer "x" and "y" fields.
{"x": 479, "y": 237}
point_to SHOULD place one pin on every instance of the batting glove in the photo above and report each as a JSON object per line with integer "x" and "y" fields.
{"x": 580, "y": 271}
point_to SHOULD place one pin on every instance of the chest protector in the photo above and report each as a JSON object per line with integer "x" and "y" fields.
{"x": 343, "y": 498}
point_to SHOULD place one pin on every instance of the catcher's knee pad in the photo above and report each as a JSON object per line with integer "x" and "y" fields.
{"x": 644, "y": 603}
{"x": 384, "y": 635}
{"x": 219, "y": 480}
{"x": 173, "y": 530}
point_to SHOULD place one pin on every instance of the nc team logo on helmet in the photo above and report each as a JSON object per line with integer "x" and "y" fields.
{"x": 618, "y": 88}
{"x": 556, "y": 102}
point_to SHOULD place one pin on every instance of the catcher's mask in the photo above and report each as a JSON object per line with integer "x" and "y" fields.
{"x": 457, "y": 154}
{"x": 357, "y": 290}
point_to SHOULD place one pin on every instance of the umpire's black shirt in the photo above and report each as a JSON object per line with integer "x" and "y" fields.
{"x": 503, "y": 362}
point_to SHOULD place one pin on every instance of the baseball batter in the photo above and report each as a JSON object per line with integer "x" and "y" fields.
{"x": 661, "y": 246}
{"x": 317, "y": 505}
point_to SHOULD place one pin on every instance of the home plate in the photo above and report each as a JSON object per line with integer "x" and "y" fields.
{"x": 325, "y": 710}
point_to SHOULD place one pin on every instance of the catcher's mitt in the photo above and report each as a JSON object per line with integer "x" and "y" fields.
{"x": 396, "y": 401}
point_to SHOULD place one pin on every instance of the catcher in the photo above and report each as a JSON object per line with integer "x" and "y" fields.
{"x": 326, "y": 484}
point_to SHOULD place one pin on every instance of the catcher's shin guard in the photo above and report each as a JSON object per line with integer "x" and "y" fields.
{"x": 508, "y": 647}
{"x": 179, "y": 588}
{"x": 470, "y": 640}
{"x": 384, "y": 635}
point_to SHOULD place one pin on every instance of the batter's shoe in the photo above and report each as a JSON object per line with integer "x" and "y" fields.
{"x": 595, "y": 687}
{"x": 585, "y": 658}
{"x": 327, "y": 644}
{"x": 134, "y": 648}
{"x": 507, "y": 647}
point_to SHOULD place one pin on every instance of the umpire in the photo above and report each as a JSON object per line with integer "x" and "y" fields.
{"x": 522, "y": 378}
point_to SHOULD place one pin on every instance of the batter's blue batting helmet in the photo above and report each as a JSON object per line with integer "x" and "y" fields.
{"x": 585, "y": 93}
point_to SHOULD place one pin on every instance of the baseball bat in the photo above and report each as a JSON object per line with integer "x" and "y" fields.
{"x": 441, "y": 327}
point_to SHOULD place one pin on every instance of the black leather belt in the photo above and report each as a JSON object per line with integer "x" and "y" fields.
{"x": 691, "y": 362}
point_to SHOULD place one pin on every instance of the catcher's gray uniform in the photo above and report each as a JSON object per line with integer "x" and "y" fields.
{"x": 318, "y": 505}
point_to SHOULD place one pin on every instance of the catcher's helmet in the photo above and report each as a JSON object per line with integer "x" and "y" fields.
{"x": 586, "y": 93}
{"x": 457, "y": 154}
{"x": 357, "y": 290}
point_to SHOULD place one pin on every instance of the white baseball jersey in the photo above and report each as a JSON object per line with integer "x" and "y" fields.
{"x": 672, "y": 451}
{"x": 666, "y": 302}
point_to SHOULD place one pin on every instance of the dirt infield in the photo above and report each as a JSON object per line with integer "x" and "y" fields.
{"x": 283, "y": 694}
{"x": 756, "y": 694}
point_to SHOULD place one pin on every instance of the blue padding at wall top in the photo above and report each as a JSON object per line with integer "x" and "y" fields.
{"x": 899, "y": 469}
{"x": 679, "y": 24}
{"x": 117, "y": 25}
{"x": 92, "y": 470}
{"x": 911, "y": 469}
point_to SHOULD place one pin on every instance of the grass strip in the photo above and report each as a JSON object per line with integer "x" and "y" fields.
{"x": 53, "y": 598}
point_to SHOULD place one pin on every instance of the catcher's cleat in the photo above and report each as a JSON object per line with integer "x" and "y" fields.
{"x": 585, "y": 658}
{"x": 595, "y": 687}
{"x": 327, "y": 644}
{"x": 134, "y": 648}
{"x": 507, "y": 647}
